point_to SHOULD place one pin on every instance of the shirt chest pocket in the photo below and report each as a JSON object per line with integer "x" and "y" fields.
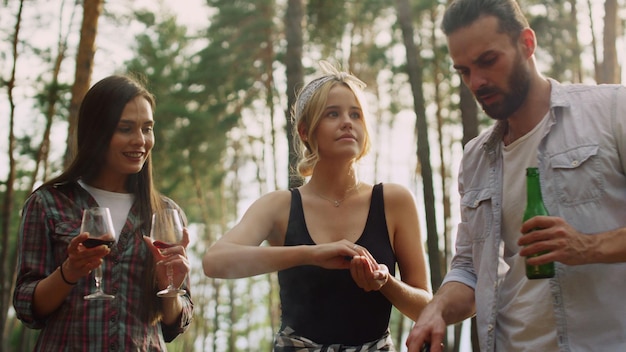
{"x": 63, "y": 234}
{"x": 576, "y": 176}
{"x": 65, "y": 231}
{"x": 477, "y": 213}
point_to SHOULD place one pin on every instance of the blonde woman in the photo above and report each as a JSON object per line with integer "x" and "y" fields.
{"x": 335, "y": 241}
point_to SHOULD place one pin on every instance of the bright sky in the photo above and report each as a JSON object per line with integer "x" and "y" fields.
{"x": 191, "y": 13}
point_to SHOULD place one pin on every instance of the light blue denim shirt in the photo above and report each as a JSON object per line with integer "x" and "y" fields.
{"x": 582, "y": 162}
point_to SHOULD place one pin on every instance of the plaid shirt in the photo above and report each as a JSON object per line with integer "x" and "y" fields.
{"x": 51, "y": 218}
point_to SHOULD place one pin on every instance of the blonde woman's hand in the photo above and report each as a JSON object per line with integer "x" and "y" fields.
{"x": 334, "y": 255}
{"x": 366, "y": 272}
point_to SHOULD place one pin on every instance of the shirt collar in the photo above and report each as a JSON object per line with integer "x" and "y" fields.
{"x": 558, "y": 98}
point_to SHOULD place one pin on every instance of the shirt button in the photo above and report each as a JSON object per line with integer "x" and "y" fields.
{"x": 490, "y": 327}
{"x": 476, "y": 203}
{"x": 575, "y": 163}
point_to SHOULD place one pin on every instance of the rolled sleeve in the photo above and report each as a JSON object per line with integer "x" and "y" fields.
{"x": 170, "y": 332}
{"x": 34, "y": 262}
{"x": 461, "y": 276}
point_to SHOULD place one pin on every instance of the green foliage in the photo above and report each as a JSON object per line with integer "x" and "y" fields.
{"x": 189, "y": 139}
{"x": 327, "y": 19}
{"x": 556, "y": 37}
{"x": 226, "y": 78}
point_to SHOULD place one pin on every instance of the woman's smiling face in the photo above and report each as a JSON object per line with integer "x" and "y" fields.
{"x": 131, "y": 142}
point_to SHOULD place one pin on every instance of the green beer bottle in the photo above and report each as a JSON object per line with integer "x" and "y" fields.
{"x": 534, "y": 206}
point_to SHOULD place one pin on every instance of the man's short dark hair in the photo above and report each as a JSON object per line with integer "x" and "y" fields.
{"x": 462, "y": 13}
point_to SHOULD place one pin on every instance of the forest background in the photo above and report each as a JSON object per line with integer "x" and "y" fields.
{"x": 225, "y": 73}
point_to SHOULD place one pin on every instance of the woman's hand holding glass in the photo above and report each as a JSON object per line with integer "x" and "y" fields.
{"x": 167, "y": 243}
{"x": 82, "y": 260}
{"x": 97, "y": 223}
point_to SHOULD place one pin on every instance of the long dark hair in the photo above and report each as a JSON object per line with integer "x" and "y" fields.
{"x": 98, "y": 117}
{"x": 99, "y": 114}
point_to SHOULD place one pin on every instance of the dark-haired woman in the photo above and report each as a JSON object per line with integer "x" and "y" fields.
{"x": 112, "y": 168}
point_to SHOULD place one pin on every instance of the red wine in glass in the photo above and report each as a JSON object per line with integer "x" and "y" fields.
{"x": 162, "y": 245}
{"x": 95, "y": 242}
{"x": 167, "y": 231}
{"x": 97, "y": 222}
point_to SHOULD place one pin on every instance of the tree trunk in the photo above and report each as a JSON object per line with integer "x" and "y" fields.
{"x": 573, "y": 22}
{"x": 610, "y": 67}
{"x": 414, "y": 67}
{"x": 443, "y": 169}
{"x": 52, "y": 97}
{"x": 594, "y": 44}
{"x": 269, "y": 56}
{"x": 295, "y": 76}
{"x": 84, "y": 68}
{"x": 7, "y": 263}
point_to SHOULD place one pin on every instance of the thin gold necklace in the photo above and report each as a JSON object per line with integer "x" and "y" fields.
{"x": 337, "y": 202}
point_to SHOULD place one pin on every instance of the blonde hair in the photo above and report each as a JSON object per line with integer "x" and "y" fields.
{"x": 307, "y": 112}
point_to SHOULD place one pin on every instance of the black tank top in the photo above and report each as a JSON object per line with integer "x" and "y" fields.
{"x": 326, "y": 306}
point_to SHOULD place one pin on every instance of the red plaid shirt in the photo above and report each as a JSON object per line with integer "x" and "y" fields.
{"x": 51, "y": 218}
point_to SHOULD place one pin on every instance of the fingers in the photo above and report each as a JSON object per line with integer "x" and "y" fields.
{"x": 382, "y": 274}
{"x": 179, "y": 266}
{"x": 156, "y": 253}
{"x": 76, "y": 249}
{"x": 185, "y": 241}
{"x": 174, "y": 257}
{"x": 163, "y": 253}
{"x": 75, "y": 242}
{"x": 363, "y": 252}
{"x": 75, "y": 270}
{"x": 552, "y": 239}
{"x": 373, "y": 265}
{"x": 540, "y": 222}
{"x": 365, "y": 271}
{"x": 425, "y": 337}
{"x": 367, "y": 274}
{"x": 82, "y": 260}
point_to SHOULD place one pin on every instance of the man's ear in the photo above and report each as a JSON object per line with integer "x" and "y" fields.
{"x": 528, "y": 41}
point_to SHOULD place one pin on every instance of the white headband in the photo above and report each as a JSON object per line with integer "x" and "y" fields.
{"x": 331, "y": 73}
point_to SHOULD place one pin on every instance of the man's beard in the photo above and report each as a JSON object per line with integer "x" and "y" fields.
{"x": 519, "y": 84}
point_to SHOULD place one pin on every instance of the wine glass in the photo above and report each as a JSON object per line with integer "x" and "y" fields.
{"x": 97, "y": 222}
{"x": 167, "y": 231}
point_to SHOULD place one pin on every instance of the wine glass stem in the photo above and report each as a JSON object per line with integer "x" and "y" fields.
{"x": 170, "y": 276}
{"x": 98, "y": 277}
